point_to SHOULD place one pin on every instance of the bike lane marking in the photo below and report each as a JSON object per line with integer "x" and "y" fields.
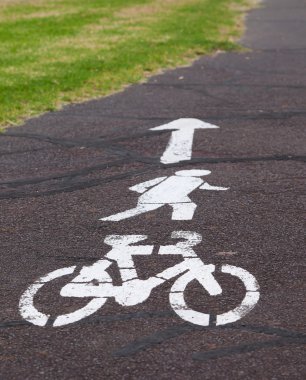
{"x": 94, "y": 281}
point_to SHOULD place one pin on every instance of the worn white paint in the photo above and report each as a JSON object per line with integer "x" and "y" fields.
{"x": 31, "y": 314}
{"x": 173, "y": 191}
{"x": 250, "y": 300}
{"x": 180, "y": 144}
{"x": 177, "y": 301}
{"x": 26, "y": 303}
{"x": 94, "y": 282}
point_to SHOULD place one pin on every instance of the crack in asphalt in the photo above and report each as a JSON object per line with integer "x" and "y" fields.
{"x": 284, "y": 336}
{"x": 72, "y": 174}
{"x": 226, "y": 84}
{"x": 21, "y": 151}
{"x": 245, "y": 348}
{"x": 148, "y": 160}
{"x": 262, "y": 115}
{"x": 70, "y": 188}
{"x": 99, "y": 319}
{"x": 70, "y": 184}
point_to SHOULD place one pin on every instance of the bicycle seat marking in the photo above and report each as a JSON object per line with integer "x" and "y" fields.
{"x": 95, "y": 283}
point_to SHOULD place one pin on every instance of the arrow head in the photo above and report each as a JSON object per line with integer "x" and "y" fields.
{"x": 185, "y": 124}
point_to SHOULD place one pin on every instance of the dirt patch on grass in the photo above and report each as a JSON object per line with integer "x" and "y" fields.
{"x": 88, "y": 42}
{"x": 41, "y": 14}
{"x": 8, "y": 3}
{"x": 244, "y": 7}
{"x": 149, "y": 9}
{"x": 240, "y": 19}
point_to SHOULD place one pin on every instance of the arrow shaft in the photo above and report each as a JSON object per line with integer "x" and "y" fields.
{"x": 179, "y": 147}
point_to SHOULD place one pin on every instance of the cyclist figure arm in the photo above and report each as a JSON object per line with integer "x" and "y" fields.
{"x": 144, "y": 186}
{"x": 207, "y": 186}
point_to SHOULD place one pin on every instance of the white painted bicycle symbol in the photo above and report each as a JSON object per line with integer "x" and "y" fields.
{"x": 94, "y": 282}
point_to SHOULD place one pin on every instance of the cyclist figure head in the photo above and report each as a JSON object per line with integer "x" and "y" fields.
{"x": 192, "y": 173}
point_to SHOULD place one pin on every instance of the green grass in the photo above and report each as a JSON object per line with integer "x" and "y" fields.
{"x": 53, "y": 52}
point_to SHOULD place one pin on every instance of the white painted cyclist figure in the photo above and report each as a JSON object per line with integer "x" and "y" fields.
{"x": 173, "y": 191}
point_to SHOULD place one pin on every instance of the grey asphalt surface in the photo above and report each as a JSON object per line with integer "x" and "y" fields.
{"x": 63, "y": 171}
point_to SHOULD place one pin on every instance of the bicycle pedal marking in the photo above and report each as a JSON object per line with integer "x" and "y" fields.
{"x": 93, "y": 281}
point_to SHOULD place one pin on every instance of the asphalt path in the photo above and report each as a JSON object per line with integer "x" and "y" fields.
{"x": 64, "y": 171}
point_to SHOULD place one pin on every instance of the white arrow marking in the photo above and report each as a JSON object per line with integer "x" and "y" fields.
{"x": 180, "y": 145}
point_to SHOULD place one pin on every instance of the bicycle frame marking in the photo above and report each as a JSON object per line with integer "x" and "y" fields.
{"x": 93, "y": 281}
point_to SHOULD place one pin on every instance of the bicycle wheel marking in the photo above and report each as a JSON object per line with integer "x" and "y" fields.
{"x": 180, "y": 307}
{"x": 250, "y": 300}
{"x": 26, "y": 304}
{"x": 94, "y": 283}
